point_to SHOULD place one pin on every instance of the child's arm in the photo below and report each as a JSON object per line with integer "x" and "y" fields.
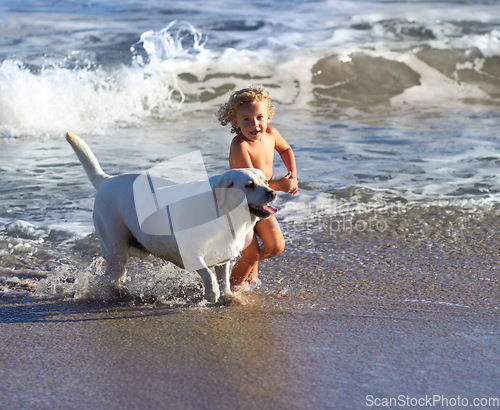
{"x": 288, "y": 183}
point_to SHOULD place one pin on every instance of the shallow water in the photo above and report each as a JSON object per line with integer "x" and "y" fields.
{"x": 390, "y": 280}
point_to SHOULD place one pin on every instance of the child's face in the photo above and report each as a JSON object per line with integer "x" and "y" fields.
{"x": 252, "y": 119}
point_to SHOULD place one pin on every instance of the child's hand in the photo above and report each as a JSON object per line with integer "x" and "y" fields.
{"x": 289, "y": 184}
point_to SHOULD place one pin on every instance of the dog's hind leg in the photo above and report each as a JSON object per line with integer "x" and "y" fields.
{"x": 115, "y": 265}
{"x": 115, "y": 250}
{"x": 108, "y": 285}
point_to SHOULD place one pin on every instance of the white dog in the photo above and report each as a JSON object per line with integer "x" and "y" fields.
{"x": 190, "y": 232}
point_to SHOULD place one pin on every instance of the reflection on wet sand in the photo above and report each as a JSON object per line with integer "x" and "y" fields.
{"x": 241, "y": 356}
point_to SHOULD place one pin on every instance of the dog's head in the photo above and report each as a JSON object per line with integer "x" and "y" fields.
{"x": 247, "y": 183}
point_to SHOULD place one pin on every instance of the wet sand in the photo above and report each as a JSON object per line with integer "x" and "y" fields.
{"x": 341, "y": 318}
{"x": 70, "y": 355}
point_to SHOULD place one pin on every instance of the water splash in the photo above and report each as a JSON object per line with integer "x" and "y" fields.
{"x": 180, "y": 39}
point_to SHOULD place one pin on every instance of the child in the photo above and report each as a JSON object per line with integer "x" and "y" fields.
{"x": 250, "y": 111}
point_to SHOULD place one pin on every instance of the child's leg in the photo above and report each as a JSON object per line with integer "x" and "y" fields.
{"x": 273, "y": 243}
{"x": 248, "y": 261}
{"x": 269, "y": 232}
{"x": 272, "y": 238}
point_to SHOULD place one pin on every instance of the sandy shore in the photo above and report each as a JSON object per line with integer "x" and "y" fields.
{"x": 67, "y": 355}
{"x": 341, "y": 319}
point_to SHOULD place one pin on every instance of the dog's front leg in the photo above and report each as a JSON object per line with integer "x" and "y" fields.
{"x": 222, "y": 272}
{"x": 212, "y": 292}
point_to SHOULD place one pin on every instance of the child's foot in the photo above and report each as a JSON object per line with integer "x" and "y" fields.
{"x": 251, "y": 279}
{"x": 253, "y": 276}
{"x": 235, "y": 288}
{"x": 254, "y": 280}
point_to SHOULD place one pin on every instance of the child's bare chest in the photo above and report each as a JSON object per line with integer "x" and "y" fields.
{"x": 262, "y": 156}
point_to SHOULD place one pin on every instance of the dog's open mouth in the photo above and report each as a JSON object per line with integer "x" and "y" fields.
{"x": 262, "y": 211}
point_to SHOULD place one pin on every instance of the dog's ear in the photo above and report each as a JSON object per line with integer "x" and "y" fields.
{"x": 221, "y": 189}
{"x": 226, "y": 180}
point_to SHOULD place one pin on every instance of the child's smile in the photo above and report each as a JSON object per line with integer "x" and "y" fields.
{"x": 252, "y": 119}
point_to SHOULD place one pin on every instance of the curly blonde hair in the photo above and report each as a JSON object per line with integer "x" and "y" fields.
{"x": 254, "y": 93}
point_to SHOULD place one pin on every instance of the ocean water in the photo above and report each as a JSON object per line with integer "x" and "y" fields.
{"x": 392, "y": 109}
{"x": 390, "y": 281}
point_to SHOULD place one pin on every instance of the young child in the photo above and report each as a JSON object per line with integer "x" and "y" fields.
{"x": 250, "y": 111}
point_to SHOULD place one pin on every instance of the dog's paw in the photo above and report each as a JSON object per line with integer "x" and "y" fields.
{"x": 100, "y": 288}
{"x": 121, "y": 292}
{"x": 212, "y": 296}
{"x": 226, "y": 299}
{"x": 95, "y": 289}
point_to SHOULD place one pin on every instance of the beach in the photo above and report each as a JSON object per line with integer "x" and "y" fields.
{"x": 392, "y": 322}
{"x": 387, "y": 293}
{"x": 241, "y": 357}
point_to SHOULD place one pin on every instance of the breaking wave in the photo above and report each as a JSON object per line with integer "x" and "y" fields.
{"x": 176, "y": 69}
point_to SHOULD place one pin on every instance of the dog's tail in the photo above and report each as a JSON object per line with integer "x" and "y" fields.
{"x": 88, "y": 159}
